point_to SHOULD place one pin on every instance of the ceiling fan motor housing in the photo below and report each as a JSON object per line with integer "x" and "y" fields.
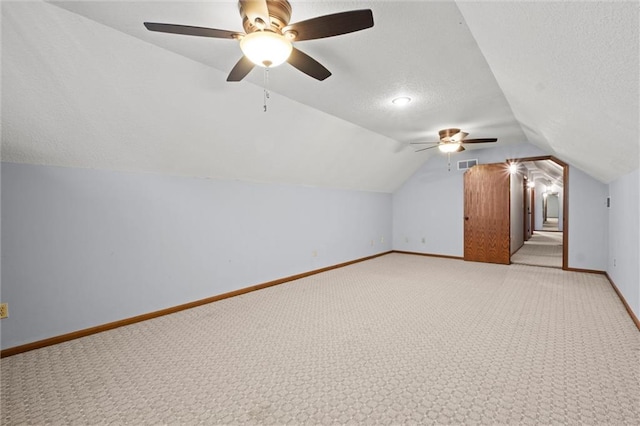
{"x": 447, "y": 133}
{"x": 279, "y": 15}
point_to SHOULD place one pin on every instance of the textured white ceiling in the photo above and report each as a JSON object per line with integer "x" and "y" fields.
{"x": 85, "y": 85}
{"x": 570, "y": 71}
{"x": 546, "y": 171}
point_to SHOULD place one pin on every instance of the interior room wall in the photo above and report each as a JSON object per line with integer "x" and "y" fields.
{"x": 430, "y": 205}
{"x": 538, "y": 211}
{"x": 516, "y": 212}
{"x": 528, "y": 209}
{"x": 623, "y": 264}
{"x": 588, "y": 222}
{"x": 83, "y": 248}
{"x": 539, "y": 197}
{"x": 560, "y": 208}
{"x": 427, "y": 214}
{"x": 553, "y": 206}
{"x": 428, "y": 208}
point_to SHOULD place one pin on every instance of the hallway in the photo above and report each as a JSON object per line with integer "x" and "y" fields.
{"x": 542, "y": 249}
{"x": 551, "y": 224}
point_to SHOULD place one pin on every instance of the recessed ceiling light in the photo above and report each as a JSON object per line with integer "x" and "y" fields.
{"x": 402, "y": 100}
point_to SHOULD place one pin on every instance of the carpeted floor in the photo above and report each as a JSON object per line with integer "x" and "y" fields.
{"x": 542, "y": 249}
{"x": 551, "y": 224}
{"x": 400, "y": 339}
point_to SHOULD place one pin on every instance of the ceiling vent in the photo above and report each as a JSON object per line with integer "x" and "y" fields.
{"x": 467, "y": 164}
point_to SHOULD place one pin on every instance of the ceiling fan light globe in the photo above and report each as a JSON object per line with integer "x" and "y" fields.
{"x": 449, "y": 147}
{"x": 266, "y": 48}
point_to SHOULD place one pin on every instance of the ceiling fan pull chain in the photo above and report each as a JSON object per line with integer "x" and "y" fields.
{"x": 266, "y": 87}
{"x": 449, "y": 161}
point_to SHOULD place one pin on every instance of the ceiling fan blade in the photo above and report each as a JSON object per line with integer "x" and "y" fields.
{"x": 460, "y": 149}
{"x": 188, "y": 30}
{"x": 423, "y": 143}
{"x": 256, "y": 9}
{"x": 429, "y": 147}
{"x": 332, "y": 25}
{"x": 488, "y": 140}
{"x": 241, "y": 69}
{"x": 459, "y": 136}
{"x": 308, "y": 65}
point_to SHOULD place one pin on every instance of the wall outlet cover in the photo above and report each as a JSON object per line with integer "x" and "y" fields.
{"x": 4, "y": 310}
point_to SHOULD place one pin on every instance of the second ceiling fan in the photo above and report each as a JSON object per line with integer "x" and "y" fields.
{"x": 268, "y": 37}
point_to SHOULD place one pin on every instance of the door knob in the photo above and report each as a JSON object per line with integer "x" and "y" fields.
{"x": 466, "y": 218}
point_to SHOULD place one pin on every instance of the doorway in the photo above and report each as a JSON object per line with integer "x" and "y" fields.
{"x": 488, "y": 212}
{"x": 547, "y": 245}
{"x": 550, "y": 211}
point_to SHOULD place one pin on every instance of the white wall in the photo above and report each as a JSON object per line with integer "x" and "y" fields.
{"x": 84, "y": 247}
{"x": 623, "y": 265}
{"x": 588, "y": 221}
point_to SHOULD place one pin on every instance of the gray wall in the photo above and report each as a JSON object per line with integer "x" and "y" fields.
{"x": 516, "y": 212}
{"x": 623, "y": 264}
{"x": 84, "y": 247}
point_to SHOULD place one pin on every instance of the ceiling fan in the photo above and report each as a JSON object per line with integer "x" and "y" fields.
{"x": 268, "y": 37}
{"x": 452, "y": 140}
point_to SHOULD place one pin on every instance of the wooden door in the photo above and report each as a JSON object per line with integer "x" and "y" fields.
{"x": 486, "y": 214}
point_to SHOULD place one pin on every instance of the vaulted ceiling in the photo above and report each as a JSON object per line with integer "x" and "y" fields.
{"x": 84, "y": 84}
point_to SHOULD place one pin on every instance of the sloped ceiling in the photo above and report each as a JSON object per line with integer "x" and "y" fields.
{"x": 546, "y": 172}
{"x": 85, "y": 85}
{"x": 570, "y": 71}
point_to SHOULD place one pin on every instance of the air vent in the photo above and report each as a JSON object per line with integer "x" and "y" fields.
{"x": 466, "y": 164}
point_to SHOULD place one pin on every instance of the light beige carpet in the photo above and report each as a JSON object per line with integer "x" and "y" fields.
{"x": 551, "y": 224}
{"x": 542, "y": 249}
{"x": 399, "y": 339}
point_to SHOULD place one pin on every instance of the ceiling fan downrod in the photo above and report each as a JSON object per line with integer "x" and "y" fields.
{"x": 266, "y": 88}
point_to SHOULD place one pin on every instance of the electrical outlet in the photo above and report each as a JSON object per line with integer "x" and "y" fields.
{"x": 4, "y": 310}
{"x": 424, "y": 240}
{"x": 382, "y": 239}
{"x": 314, "y": 253}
